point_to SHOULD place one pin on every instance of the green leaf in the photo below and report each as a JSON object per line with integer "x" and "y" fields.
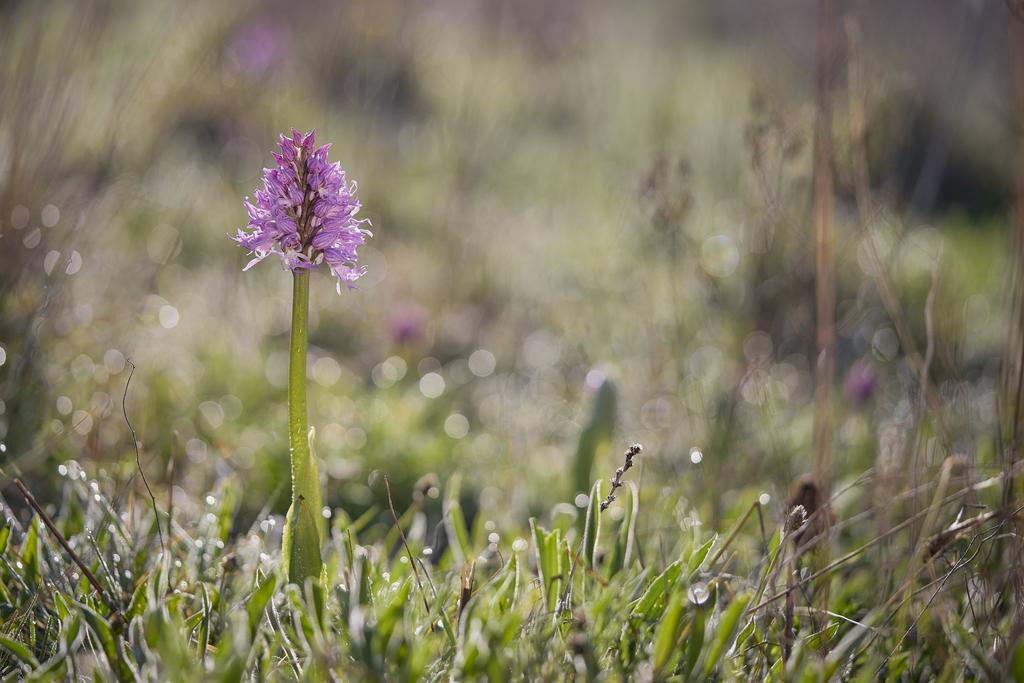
{"x": 549, "y": 561}
{"x": 698, "y": 556}
{"x": 695, "y": 641}
{"x": 20, "y": 651}
{"x": 838, "y": 653}
{"x": 1017, "y": 662}
{"x": 137, "y": 606}
{"x": 111, "y": 644}
{"x": 506, "y": 592}
{"x": 30, "y": 552}
{"x": 622, "y": 550}
{"x": 257, "y": 602}
{"x": 596, "y": 434}
{"x": 592, "y": 525}
{"x": 652, "y": 603}
{"x": 669, "y": 634}
{"x": 724, "y": 634}
{"x": 204, "y": 625}
{"x": 300, "y": 544}
{"x": 455, "y": 522}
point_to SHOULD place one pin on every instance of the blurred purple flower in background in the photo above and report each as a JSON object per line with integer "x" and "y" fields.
{"x": 306, "y": 213}
{"x": 408, "y": 324}
{"x": 860, "y": 383}
{"x": 256, "y": 46}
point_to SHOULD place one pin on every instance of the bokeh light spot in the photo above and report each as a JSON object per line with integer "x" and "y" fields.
{"x": 456, "y": 426}
{"x": 432, "y": 385}
{"x": 482, "y": 363}
{"x": 168, "y": 317}
{"x": 50, "y": 215}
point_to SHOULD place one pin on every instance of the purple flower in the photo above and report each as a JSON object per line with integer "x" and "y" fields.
{"x": 408, "y": 324}
{"x": 306, "y": 213}
{"x": 860, "y": 382}
{"x": 256, "y": 46}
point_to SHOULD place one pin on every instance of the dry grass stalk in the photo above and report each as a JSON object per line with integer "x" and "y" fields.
{"x": 825, "y": 287}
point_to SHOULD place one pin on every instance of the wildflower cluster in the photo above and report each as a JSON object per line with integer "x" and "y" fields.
{"x": 306, "y": 212}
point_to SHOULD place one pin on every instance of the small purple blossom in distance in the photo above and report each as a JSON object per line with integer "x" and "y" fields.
{"x": 306, "y": 213}
{"x": 408, "y": 324}
{"x": 860, "y": 382}
{"x": 256, "y": 47}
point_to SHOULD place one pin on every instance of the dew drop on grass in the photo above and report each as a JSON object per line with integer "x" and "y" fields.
{"x": 428, "y": 551}
{"x": 326, "y": 512}
{"x": 210, "y": 500}
{"x": 696, "y": 456}
{"x": 698, "y": 593}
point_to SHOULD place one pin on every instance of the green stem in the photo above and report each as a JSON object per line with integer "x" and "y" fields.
{"x": 303, "y": 527}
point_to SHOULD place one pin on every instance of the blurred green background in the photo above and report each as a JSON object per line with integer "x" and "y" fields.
{"x": 565, "y": 196}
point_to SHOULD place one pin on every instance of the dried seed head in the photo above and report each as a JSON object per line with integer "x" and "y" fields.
{"x": 797, "y": 517}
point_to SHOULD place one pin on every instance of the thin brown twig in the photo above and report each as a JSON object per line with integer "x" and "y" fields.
{"x": 138, "y": 455}
{"x": 31, "y": 500}
{"x": 171, "y": 464}
{"x": 405, "y": 543}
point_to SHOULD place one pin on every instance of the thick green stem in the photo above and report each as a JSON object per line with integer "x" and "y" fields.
{"x": 303, "y": 527}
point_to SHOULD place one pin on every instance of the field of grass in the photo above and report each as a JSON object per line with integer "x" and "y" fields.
{"x": 594, "y": 226}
